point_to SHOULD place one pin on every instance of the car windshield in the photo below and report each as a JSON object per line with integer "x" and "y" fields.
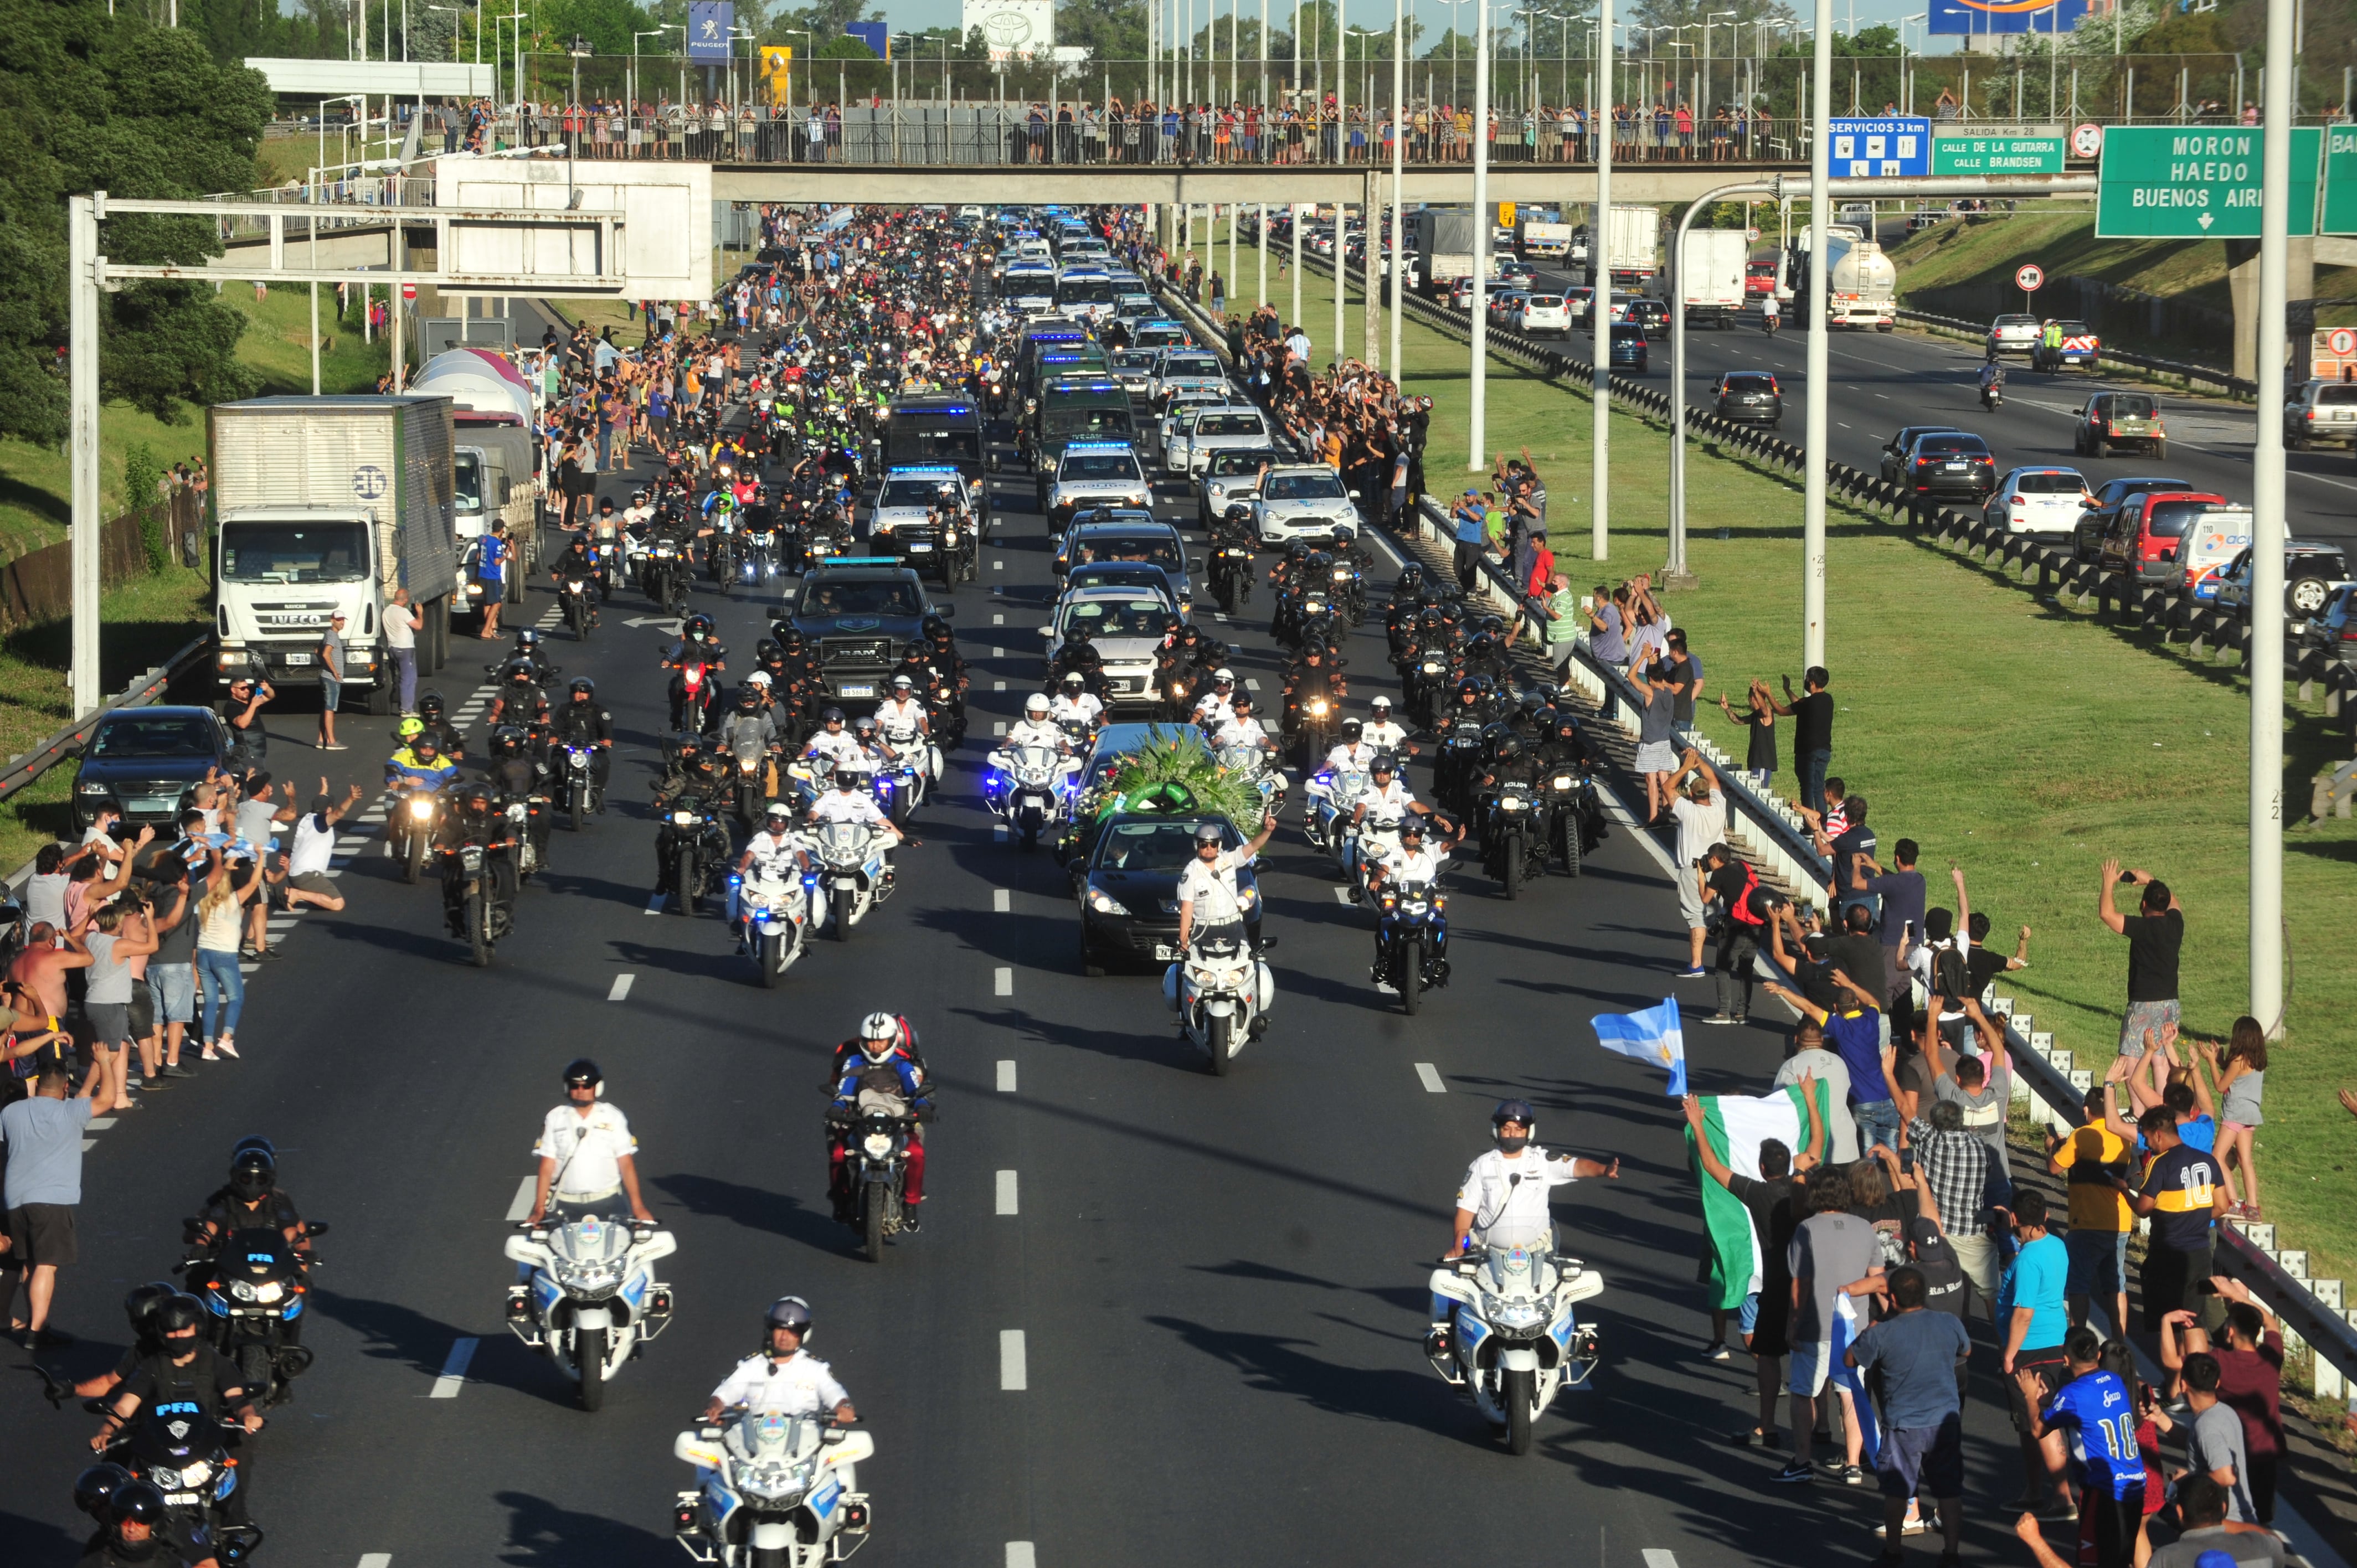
{"x": 1098, "y": 466}
{"x": 1229, "y": 425}
{"x": 1100, "y": 421}
{"x": 1237, "y": 460}
{"x": 1157, "y": 334}
{"x": 1133, "y": 359}
{"x": 2048, "y": 485}
{"x": 914, "y": 492}
{"x": 1118, "y": 617}
{"x": 883, "y": 596}
{"x": 2132, "y": 405}
{"x": 1084, "y": 291}
{"x": 1303, "y": 488}
{"x": 932, "y": 438}
{"x": 1950, "y": 445}
{"x": 158, "y": 736}
{"x": 467, "y": 481}
{"x": 1150, "y": 846}
{"x": 1163, "y": 552}
{"x": 294, "y": 553}
{"x": 1191, "y": 365}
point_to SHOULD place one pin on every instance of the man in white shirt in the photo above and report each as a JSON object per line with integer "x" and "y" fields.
{"x": 1209, "y": 904}
{"x": 1075, "y": 703}
{"x": 1036, "y": 727}
{"x": 1503, "y": 1202}
{"x": 781, "y": 1381}
{"x": 1216, "y": 706}
{"x": 307, "y": 882}
{"x": 1354, "y": 755}
{"x": 773, "y": 854}
{"x": 833, "y": 744}
{"x": 1241, "y": 728}
{"x": 587, "y": 1157}
{"x": 849, "y": 802}
{"x": 1701, "y": 814}
{"x": 1381, "y": 731}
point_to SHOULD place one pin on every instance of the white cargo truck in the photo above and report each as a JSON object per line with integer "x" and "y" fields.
{"x": 1632, "y": 246}
{"x": 1442, "y": 241}
{"x": 1709, "y": 277}
{"x": 494, "y": 462}
{"x": 331, "y": 504}
{"x": 1540, "y": 238}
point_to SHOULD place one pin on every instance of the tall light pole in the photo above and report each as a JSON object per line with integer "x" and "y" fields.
{"x": 1399, "y": 169}
{"x": 1481, "y": 216}
{"x": 1703, "y": 106}
{"x": 2268, "y": 526}
{"x": 1813, "y": 505}
{"x": 1342, "y": 157}
{"x": 1599, "y": 295}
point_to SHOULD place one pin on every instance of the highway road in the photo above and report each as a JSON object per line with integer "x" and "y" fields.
{"x": 1155, "y": 1317}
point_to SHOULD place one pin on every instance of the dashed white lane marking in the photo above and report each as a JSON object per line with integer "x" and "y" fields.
{"x": 655, "y": 904}
{"x": 1006, "y": 1192}
{"x": 1001, "y": 900}
{"x": 998, "y": 727}
{"x": 520, "y": 1204}
{"x": 454, "y": 1371}
{"x": 998, "y": 566}
{"x": 998, "y": 685}
{"x": 1431, "y": 1077}
{"x": 1344, "y": 896}
{"x": 1018, "y": 1555}
{"x": 998, "y": 831}
{"x": 100, "y": 1123}
{"x": 622, "y": 989}
{"x": 1657, "y": 1558}
{"x": 1005, "y": 1077}
{"x": 998, "y": 653}
{"x": 1002, "y": 981}
{"x": 376, "y": 1560}
{"x": 998, "y": 620}
{"x": 1012, "y": 1375}
{"x": 1251, "y": 682}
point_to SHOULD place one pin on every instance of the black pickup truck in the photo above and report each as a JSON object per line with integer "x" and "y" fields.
{"x": 861, "y": 613}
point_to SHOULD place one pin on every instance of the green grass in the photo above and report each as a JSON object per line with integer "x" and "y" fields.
{"x": 2025, "y": 742}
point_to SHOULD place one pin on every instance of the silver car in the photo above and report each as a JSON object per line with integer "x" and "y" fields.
{"x": 1304, "y": 500}
{"x": 1125, "y": 627}
{"x": 1230, "y": 476}
{"x": 1181, "y": 369}
{"x": 2013, "y": 333}
{"x": 1221, "y": 429}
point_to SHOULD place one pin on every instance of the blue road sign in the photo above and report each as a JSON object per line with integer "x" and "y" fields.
{"x": 1880, "y": 149}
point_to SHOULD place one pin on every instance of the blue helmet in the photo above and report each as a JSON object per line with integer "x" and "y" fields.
{"x": 1514, "y": 1110}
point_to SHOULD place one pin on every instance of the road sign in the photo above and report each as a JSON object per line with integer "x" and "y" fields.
{"x": 2030, "y": 278}
{"x": 2339, "y": 214}
{"x": 1975, "y": 151}
{"x": 2166, "y": 182}
{"x": 2087, "y": 141}
{"x": 409, "y": 291}
{"x": 2333, "y": 353}
{"x": 2341, "y": 341}
{"x": 1881, "y": 149}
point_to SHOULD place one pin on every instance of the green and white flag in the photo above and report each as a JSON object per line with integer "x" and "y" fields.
{"x": 1736, "y": 1126}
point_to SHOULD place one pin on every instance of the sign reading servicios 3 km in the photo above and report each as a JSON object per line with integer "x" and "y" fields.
{"x": 1880, "y": 149}
{"x": 2165, "y": 182}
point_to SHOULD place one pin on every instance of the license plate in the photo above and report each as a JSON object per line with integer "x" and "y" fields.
{"x": 151, "y": 803}
{"x": 916, "y": 549}
{"x": 1164, "y": 953}
{"x": 1956, "y": 467}
{"x": 859, "y": 691}
{"x": 180, "y": 1499}
{"x": 298, "y": 659}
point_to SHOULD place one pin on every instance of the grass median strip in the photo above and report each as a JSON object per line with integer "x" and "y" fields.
{"x": 2020, "y": 739}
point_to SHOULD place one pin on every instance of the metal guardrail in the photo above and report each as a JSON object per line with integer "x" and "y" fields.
{"x": 26, "y": 767}
{"x": 2185, "y": 368}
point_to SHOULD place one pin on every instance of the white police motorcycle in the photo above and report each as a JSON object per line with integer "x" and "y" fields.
{"x": 1029, "y": 786}
{"x": 773, "y": 1491}
{"x": 1221, "y": 992}
{"x": 774, "y": 913}
{"x": 1332, "y": 795}
{"x": 1514, "y": 1341}
{"x": 592, "y": 1296}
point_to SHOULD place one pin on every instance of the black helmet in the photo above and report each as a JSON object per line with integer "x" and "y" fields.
{"x": 429, "y": 706}
{"x": 1514, "y": 1110}
{"x": 507, "y": 740}
{"x": 698, "y": 625}
{"x": 178, "y": 1313}
{"x": 1469, "y": 689}
{"x": 517, "y": 672}
{"x": 831, "y": 716}
{"x": 527, "y": 639}
{"x": 581, "y": 1070}
{"x": 749, "y": 699}
{"x": 1546, "y": 718}
{"x": 140, "y": 1305}
{"x": 1411, "y": 578}
{"x": 137, "y": 1501}
{"x": 1077, "y": 632}
{"x": 95, "y": 1488}
{"x": 1385, "y": 762}
{"x": 767, "y": 649}
{"x": 582, "y": 686}
{"x": 934, "y": 628}
{"x": 253, "y": 1169}
{"x": 1507, "y": 746}
{"x": 1531, "y": 704}
{"x": 787, "y": 1312}
{"x": 477, "y": 797}
{"x": 1297, "y": 551}
{"x": 789, "y": 640}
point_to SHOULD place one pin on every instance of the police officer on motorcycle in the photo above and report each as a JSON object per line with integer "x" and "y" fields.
{"x": 136, "y": 1527}
{"x": 581, "y": 720}
{"x": 1503, "y": 1198}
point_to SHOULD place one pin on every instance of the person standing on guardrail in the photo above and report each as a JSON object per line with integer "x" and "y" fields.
{"x": 2242, "y": 1064}
{"x": 1701, "y": 814}
{"x": 1655, "y": 688}
{"x": 2156, "y": 935}
{"x": 1813, "y": 733}
{"x": 1758, "y": 718}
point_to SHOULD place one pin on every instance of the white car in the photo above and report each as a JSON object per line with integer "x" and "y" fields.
{"x": 2013, "y": 333}
{"x": 2039, "y": 500}
{"x": 1094, "y": 474}
{"x": 1215, "y": 428}
{"x": 906, "y": 498}
{"x": 1125, "y": 627}
{"x": 1540, "y": 313}
{"x": 1180, "y": 369}
{"x": 1178, "y": 424}
{"x": 1230, "y": 476}
{"x": 1302, "y": 500}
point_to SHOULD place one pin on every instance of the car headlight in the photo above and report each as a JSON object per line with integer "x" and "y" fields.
{"x": 91, "y": 788}
{"x": 1105, "y": 903}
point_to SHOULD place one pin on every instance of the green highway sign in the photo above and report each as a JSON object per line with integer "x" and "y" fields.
{"x": 1975, "y": 151}
{"x": 2169, "y": 182}
{"x": 2340, "y": 216}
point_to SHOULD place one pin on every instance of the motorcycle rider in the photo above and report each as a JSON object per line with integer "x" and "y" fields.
{"x": 530, "y": 646}
{"x": 1216, "y": 706}
{"x": 577, "y": 563}
{"x": 1992, "y": 378}
{"x": 418, "y": 765}
{"x": 1079, "y": 656}
{"x": 474, "y": 818}
{"x": 587, "y": 1157}
{"x": 185, "y": 1377}
{"x": 1770, "y": 311}
{"x": 519, "y": 699}
{"x": 1353, "y": 754}
{"x": 1076, "y": 704}
{"x": 1241, "y": 728}
{"x": 1504, "y": 1199}
{"x": 699, "y": 783}
{"x": 433, "y": 722}
{"x": 1038, "y": 726}
{"x": 136, "y": 1527}
{"x": 515, "y": 776}
{"x": 249, "y": 1200}
{"x": 771, "y": 854}
{"x": 1382, "y": 732}
{"x": 1209, "y": 906}
{"x": 882, "y": 1069}
{"x": 832, "y": 746}
{"x": 781, "y": 1381}
{"x": 580, "y": 720}
{"x": 749, "y": 719}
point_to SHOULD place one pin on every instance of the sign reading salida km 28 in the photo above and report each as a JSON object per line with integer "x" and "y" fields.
{"x": 2167, "y": 182}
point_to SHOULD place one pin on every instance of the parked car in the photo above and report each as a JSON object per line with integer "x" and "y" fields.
{"x": 2087, "y": 533}
{"x": 1750, "y": 397}
{"x": 1895, "y": 450}
{"x": 2120, "y": 419}
{"x": 2077, "y": 345}
{"x": 145, "y": 761}
{"x": 2310, "y": 572}
{"x": 2013, "y": 333}
{"x": 2321, "y": 413}
{"x": 1950, "y": 463}
{"x": 2037, "y": 501}
{"x": 2335, "y": 630}
{"x": 1543, "y": 314}
{"x": 2145, "y": 534}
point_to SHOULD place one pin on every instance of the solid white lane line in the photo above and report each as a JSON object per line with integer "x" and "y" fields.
{"x": 520, "y": 1204}
{"x": 88, "y": 1144}
{"x": 454, "y": 1371}
{"x": 1653, "y": 845}
{"x": 1002, "y": 981}
{"x": 1005, "y": 1077}
{"x": 622, "y": 989}
{"x": 1001, "y": 900}
{"x": 1431, "y": 1077}
{"x": 998, "y": 831}
{"x": 1013, "y": 1375}
{"x": 998, "y": 620}
{"x": 1006, "y": 1192}
{"x": 655, "y": 904}
{"x": 1018, "y": 1555}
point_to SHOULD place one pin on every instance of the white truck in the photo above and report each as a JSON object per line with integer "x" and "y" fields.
{"x": 1861, "y": 283}
{"x": 1442, "y": 242}
{"x": 494, "y": 461}
{"x": 1538, "y": 237}
{"x": 1632, "y": 246}
{"x": 329, "y": 504}
{"x": 1709, "y": 277}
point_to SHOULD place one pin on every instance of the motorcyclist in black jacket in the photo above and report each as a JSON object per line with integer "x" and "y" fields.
{"x": 438, "y": 728}
{"x": 582, "y": 720}
{"x": 136, "y": 1527}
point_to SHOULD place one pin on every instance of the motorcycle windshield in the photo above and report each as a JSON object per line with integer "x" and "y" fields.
{"x": 842, "y": 842}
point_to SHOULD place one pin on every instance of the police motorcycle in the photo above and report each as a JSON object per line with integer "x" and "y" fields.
{"x": 1566, "y": 807}
{"x": 771, "y": 1491}
{"x": 919, "y": 761}
{"x": 1514, "y": 1341}
{"x": 760, "y": 550}
{"x": 1231, "y": 565}
{"x": 591, "y": 1296}
{"x": 576, "y": 781}
{"x": 580, "y": 609}
{"x": 1411, "y": 932}
{"x": 775, "y": 915}
{"x": 1333, "y": 797}
{"x": 1515, "y": 846}
{"x": 695, "y": 845}
{"x": 1221, "y": 991}
{"x": 1032, "y": 792}
{"x": 1257, "y": 767}
{"x": 173, "y": 1448}
{"x": 852, "y": 873}
{"x": 254, "y": 1285}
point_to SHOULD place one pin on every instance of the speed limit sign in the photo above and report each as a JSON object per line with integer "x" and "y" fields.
{"x": 2030, "y": 278}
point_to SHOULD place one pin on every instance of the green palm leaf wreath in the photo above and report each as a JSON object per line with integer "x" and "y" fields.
{"x": 1175, "y": 773}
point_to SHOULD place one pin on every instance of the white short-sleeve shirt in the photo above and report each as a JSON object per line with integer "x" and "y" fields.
{"x": 1210, "y": 886}
{"x": 797, "y": 1386}
{"x": 839, "y": 806}
{"x": 588, "y": 1151}
{"x": 1508, "y": 1194}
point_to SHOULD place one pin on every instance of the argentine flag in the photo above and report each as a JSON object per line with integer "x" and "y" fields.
{"x": 1653, "y": 1036}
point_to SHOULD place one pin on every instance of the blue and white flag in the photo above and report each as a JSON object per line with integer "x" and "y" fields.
{"x": 1653, "y": 1036}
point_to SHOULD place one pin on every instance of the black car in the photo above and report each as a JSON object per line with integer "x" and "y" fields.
{"x": 1895, "y": 450}
{"x": 2087, "y": 533}
{"x": 1650, "y": 315}
{"x": 861, "y": 613}
{"x": 1750, "y": 397}
{"x": 1128, "y": 891}
{"x": 1950, "y": 463}
{"x": 145, "y": 761}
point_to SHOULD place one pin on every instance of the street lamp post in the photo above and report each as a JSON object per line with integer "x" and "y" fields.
{"x": 1481, "y": 218}
{"x": 1399, "y": 155}
{"x": 1599, "y": 295}
{"x": 1812, "y": 514}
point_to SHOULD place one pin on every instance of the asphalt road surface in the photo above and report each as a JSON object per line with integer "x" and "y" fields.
{"x": 1155, "y": 1317}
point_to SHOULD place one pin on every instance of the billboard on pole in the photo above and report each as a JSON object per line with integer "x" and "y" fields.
{"x": 2006, "y": 16}
{"x": 710, "y": 24}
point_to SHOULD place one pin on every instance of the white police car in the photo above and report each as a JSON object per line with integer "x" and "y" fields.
{"x": 1094, "y": 474}
{"x": 1304, "y": 500}
{"x": 905, "y": 502}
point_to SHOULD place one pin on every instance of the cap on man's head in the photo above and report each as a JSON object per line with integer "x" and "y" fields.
{"x": 335, "y": 614}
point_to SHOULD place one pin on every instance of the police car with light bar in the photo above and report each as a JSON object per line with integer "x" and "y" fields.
{"x": 902, "y": 521}
{"x": 1094, "y": 474}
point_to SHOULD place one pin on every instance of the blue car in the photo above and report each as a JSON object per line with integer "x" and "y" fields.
{"x": 1629, "y": 347}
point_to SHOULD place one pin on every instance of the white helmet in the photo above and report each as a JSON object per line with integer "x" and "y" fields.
{"x": 758, "y": 678}
{"x": 1036, "y": 704}
{"x": 880, "y": 1036}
